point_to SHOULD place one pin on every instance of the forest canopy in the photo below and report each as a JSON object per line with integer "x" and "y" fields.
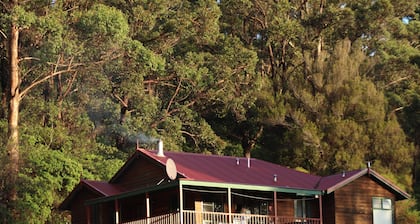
{"x": 323, "y": 86}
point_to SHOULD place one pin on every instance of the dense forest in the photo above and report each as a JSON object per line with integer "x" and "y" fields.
{"x": 317, "y": 85}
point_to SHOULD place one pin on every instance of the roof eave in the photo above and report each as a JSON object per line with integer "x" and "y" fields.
{"x": 346, "y": 181}
{"x": 65, "y": 205}
{"x": 131, "y": 193}
{"x": 282, "y": 189}
{"x": 400, "y": 194}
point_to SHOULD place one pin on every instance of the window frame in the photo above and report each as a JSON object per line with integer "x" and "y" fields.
{"x": 383, "y": 204}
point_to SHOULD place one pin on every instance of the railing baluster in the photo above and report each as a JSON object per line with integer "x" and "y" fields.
{"x": 191, "y": 217}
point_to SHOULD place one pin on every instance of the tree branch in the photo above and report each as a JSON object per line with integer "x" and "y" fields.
{"x": 120, "y": 99}
{"x": 68, "y": 87}
{"x": 53, "y": 74}
{"x": 3, "y": 34}
{"x": 29, "y": 58}
{"x": 397, "y": 81}
{"x": 192, "y": 136}
{"x": 174, "y": 95}
{"x": 26, "y": 90}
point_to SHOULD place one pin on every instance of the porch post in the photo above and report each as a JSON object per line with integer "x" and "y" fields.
{"x": 88, "y": 214}
{"x": 117, "y": 210}
{"x": 320, "y": 208}
{"x": 275, "y": 206}
{"x": 230, "y": 204}
{"x": 147, "y": 207}
{"x": 181, "y": 204}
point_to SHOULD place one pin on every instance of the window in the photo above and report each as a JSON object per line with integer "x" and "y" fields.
{"x": 303, "y": 208}
{"x": 208, "y": 206}
{"x": 300, "y": 208}
{"x": 382, "y": 210}
{"x": 212, "y": 207}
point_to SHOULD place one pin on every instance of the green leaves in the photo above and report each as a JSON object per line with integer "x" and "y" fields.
{"x": 104, "y": 23}
{"x": 22, "y": 17}
{"x": 45, "y": 174}
{"x": 321, "y": 85}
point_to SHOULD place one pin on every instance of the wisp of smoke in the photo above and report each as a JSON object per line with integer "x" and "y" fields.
{"x": 143, "y": 139}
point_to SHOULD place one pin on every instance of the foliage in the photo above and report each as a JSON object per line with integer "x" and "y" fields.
{"x": 406, "y": 212}
{"x": 47, "y": 176}
{"x": 320, "y": 86}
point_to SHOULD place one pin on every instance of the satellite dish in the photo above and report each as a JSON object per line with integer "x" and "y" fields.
{"x": 171, "y": 169}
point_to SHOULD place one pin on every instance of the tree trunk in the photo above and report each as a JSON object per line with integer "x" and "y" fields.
{"x": 12, "y": 168}
{"x": 121, "y": 140}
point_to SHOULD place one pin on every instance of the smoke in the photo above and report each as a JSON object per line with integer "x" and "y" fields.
{"x": 143, "y": 140}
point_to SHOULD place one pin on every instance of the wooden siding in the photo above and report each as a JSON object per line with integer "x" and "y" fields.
{"x": 285, "y": 208}
{"x": 164, "y": 202}
{"x": 141, "y": 173}
{"x": 78, "y": 209}
{"x": 133, "y": 208}
{"x": 353, "y": 202}
{"x": 328, "y": 209}
{"x": 103, "y": 213}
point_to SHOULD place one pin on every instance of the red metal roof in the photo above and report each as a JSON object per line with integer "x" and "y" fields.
{"x": 336, "y": 180}
{"x": 100, "y": 188}
{"x": 103, "y": 187}
{"x": 235, "y": 170}
{"x": 224, "y": 169}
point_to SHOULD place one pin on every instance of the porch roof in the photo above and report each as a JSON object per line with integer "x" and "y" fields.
{"x": 99, "y": 188}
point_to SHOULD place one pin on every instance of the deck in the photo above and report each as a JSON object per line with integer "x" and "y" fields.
{"x": 193, "y": 217}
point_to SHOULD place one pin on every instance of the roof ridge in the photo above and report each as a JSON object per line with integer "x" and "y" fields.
{"x": 198, "y": 154}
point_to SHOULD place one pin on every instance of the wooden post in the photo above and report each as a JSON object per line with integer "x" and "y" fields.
{"x": 88, "y": 214}
{"x": 320, "y": 208}
{"x": 181, "y": 204}
{"x": 275, "y": 206}
{"x": 198, "y": 211}
{"x": 117, "y": 211}
{"x": 148, "y": 208}
{"x": 230, "y": 204}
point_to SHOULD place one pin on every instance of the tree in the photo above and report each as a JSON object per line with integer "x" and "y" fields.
{"x": 174, "y": 70}
{"x": 321, "y": 85}
{"x": 19, "y": 17}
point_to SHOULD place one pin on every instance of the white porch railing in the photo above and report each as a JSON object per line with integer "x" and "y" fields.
{"x": 193, "y": 217}
{"x": 171, "y": 218}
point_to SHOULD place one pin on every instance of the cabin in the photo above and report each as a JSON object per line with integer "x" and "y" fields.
{"x": 160, "y": 187}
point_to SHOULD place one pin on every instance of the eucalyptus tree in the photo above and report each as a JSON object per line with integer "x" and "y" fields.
{"x": 182, "y": 70}
{"x": 40, "y": 51}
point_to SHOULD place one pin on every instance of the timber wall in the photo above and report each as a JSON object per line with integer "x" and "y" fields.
{"x": 353, "y": 202}
{"x": 78, "y": 209}
{"x": 141, "y": 173}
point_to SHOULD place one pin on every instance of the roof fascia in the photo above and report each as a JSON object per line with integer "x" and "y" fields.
{"x": 82, "y": 184}
{"x": 132, "y": 193}
{"x": 301, "y": 192}
{"x": 346, "y": 181}
{"x": 133, "y": 158}
{"x": 380, "y": 179}
{"x": 401, "y": 195}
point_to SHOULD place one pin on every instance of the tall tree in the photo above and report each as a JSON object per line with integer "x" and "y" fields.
{"x": 18, "y": 19}
{"x": 13, "y": 93}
